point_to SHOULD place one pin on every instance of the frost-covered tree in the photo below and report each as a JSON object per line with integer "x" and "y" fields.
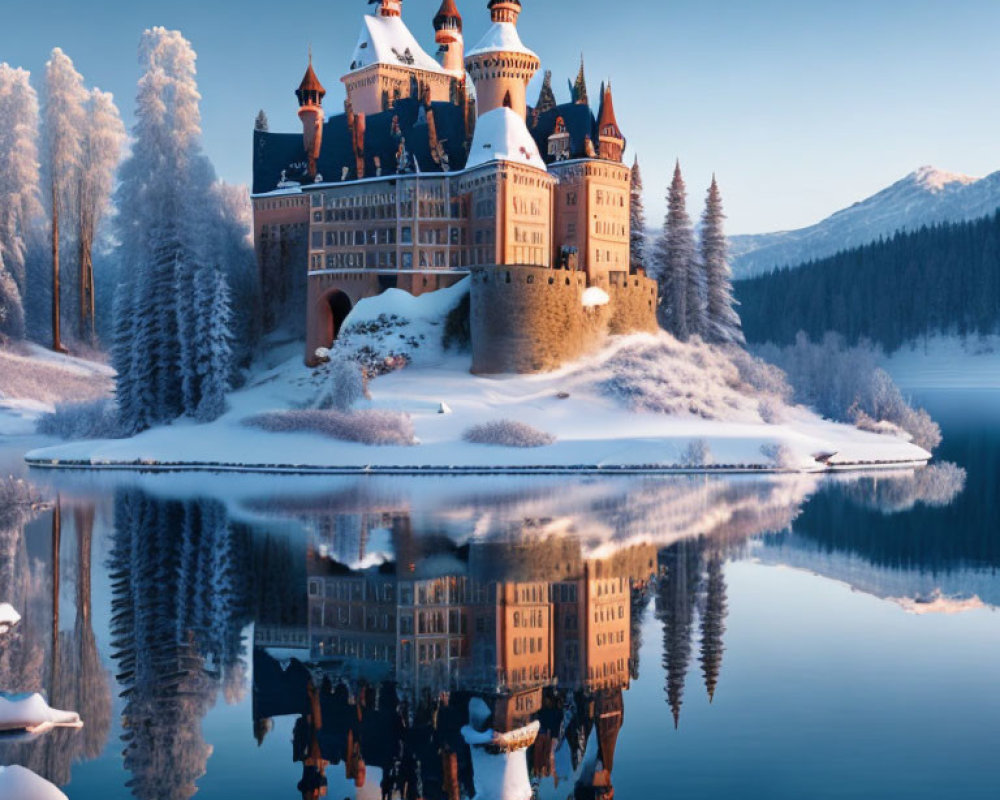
{"x": 637, "y": 221}
{"x": 103, "y": 139}
{"x": 168, "y": 225}
{"x": 19, "y": 191}
{"x": 213, "y": 350}
{"x": 675, "y": 255}
{"x": 723, "y": 322}
{"x": 261, "y": 123}
{"x": 64, "y": 116}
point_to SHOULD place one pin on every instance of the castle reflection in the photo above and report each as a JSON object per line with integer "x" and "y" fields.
{"x": 379, "y": 617}
{"x": 381, "y": 668}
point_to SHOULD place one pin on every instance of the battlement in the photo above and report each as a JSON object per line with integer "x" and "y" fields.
{"x": 534, "y": 319}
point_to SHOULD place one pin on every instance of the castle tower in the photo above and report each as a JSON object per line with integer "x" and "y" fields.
{"x": 448, "y": 35}
{"x": 500, "y": 65}
{"x": 310, "y": 95}
{"x": 389, "y": 8}
{"x": 611, "y": 142}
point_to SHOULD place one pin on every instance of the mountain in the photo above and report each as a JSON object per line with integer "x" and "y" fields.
{"x": 925, "y": 197}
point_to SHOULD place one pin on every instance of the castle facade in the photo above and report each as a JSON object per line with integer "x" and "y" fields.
{"x": 438, "y": 169}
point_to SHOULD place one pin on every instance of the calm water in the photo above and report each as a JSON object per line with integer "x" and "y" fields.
{"x": 694, "y": 638}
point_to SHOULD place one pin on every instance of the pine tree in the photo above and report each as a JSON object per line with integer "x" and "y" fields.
{"x": 723, "y": 324}
{"x": 11, "y": 307}
{"x": 64, "y": 119}
{"x": 214, "y": 351}
{"x": 19, "y": 192}
{"x": 546, "y": 97}
{"x": 675, "y": 253}
{"x": 261, "y": 123}
{"x": 172, "y": 230}
{"x": 637, "y": 220}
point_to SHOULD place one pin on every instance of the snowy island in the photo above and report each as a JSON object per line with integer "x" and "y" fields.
{"x": 643, "y": 403}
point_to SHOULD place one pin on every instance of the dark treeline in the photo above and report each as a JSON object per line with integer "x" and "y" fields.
{"x": 940, "y": 279}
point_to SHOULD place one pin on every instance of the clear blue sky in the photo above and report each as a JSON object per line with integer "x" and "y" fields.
{"x": 800, "y": 106}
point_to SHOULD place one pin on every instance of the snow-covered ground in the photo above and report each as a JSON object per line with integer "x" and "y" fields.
{"x": 947, "y": 362}
{"x": 594, "y": 431}
{"x": 33, "y": 380}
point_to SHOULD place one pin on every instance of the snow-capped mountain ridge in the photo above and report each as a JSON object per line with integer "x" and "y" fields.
{"x": 926, "y": 196}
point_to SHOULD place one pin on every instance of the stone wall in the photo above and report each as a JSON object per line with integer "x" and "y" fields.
{"x": 531, "y": 319}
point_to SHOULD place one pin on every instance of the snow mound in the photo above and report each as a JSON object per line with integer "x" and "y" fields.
{"x": 18, "y": 783}
{"x": 8, "y": 617}
{"x": 595, "y": 296}
{"x": 502, "y": 37}
{"x": 387, "y": 40}
{"x": 501, "y": 135}
{"x": 31, "y": 714}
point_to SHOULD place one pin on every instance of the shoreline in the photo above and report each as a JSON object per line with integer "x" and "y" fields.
{"x": 459, "y": 471}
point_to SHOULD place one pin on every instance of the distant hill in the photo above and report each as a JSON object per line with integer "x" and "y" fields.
{"x": 943, "y": 279}
{"x": 925, "y": 197}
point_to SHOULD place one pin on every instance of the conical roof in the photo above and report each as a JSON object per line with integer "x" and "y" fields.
{"x": 448, "y": 11}
{"x": 310, "y": 83}
{"x": 607, "y": 124}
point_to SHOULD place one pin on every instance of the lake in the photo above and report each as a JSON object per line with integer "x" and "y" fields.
{"x": 696, "y": 637}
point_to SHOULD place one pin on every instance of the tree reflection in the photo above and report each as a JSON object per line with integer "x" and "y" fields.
{"x": 179, "y": 606}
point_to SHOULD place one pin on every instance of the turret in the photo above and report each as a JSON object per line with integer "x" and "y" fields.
{"x": 611, "y": 142}
{"x": 500, "y": 65}
{"x": 310, "y": 95}
{"x": 448, "y": 35}
{"x": 388, "y": 8}
{"x": 505, "y": 10}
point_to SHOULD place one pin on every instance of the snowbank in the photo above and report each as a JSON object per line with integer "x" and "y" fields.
{"x": 18, "y": 783}
{"x": 31, "y": 714}
{"x": 8, "y": 617}
{"x": 601, "y": 418}
{"x": 34, "y": 380}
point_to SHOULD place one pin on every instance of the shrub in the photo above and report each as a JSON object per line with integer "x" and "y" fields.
{"x": 95, "y": 420}
{"x": 508, "y": 433}
{"x": 759, "y": 375}
{"x": 660, "y": 375}
{"x": 364, "y": 427}
{"x": 779, "y": 455}
{"x": 458, "y": 326}
{"x": 697, "y": 454}
{"x": 18, "y": 502}
{"x": 846, "y": 384}
{"x": 771, "y": 411}
{"x": 344, "y": 386}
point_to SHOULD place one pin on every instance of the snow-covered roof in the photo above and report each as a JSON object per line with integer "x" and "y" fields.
{"x": 501, "y": 135}
{"x": 502, "y": 37}
{"x": 387, "y": 40}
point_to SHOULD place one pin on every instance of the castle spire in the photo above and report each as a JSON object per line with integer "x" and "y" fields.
{"x": 448, "y": 35}
{"x": 578, "y": 90}
{"x": 610, "y": 138}
{"x": 310, "y": 95}
{"x": 546, "y": 97}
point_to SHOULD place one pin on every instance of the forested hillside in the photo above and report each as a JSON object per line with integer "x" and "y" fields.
{"x": 944, "y": 278}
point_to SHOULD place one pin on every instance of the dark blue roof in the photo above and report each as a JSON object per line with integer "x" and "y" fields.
{"x": 274, "y": 153}
{"x": 580, "y": 123}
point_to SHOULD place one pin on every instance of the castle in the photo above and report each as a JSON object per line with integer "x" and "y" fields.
{"x": 438, "y": 169}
